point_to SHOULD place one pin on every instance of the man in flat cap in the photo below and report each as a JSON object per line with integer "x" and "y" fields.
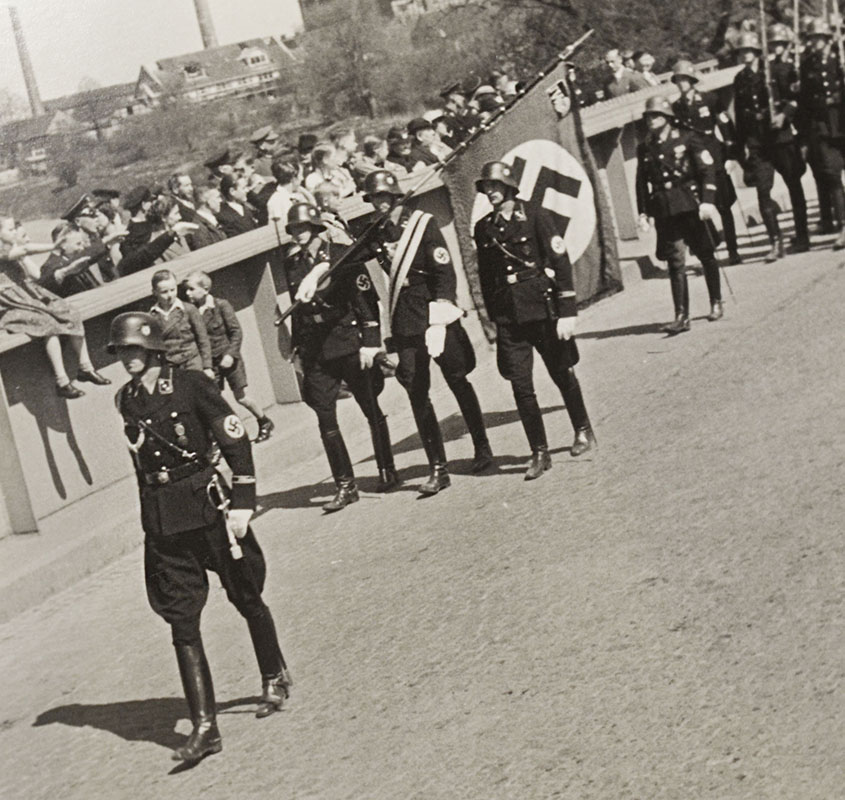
{"x": 265, "y": 141}
{"x": 423, "y": 137}
{"x": 399, "y": 150}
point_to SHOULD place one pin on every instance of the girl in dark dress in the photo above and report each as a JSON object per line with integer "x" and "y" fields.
{"x": 28, "y": 308}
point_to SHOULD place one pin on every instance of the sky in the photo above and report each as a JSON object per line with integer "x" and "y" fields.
{"x": 108, "y": 40}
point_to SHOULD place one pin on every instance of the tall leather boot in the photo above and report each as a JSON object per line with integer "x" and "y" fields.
{"x": 585, "y": 439}
{"x": 680, "y": 298}
{"x": 388, "y": 477}
{"x": 471, "y": 411}
{"x": 729, "y": 229}
{"x": 837, "y": 197}
{"x": 770, "y": 220}
{"x": 341, "y": 467}
{"x": 799, "y": 214}
{"x": 432, "y": 441}
{"x": 535, "y": 431}
{"x": 275, "y": 678}
{"x": 713, "y": 279}
{"x": 199, "y": 692}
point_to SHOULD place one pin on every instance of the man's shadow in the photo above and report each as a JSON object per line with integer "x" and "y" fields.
{"x": 453, "y": 428}
{"x": 151, "y": 720}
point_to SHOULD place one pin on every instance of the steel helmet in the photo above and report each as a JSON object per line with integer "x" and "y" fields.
{"x": 658, "y": 105}
{"x": 497, "y": 171}
{"x": 748, "y": 40}
{"x": 135, "y": 328}
{"x": 304, "y": 212}
{"x": 380, "y": 180}
{"x": 684, "y": 69}
{"x": 818, "y": 27}
{"x": 780, "y": 33}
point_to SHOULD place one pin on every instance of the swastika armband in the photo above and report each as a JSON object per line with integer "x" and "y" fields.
{"x": 441, "y": 255}
{"x": 233, "y": 427}
{"x": 363, "y": 283}
{"x": 558, "y": 245}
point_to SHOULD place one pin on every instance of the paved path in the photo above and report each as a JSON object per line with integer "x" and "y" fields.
{"x": 662, "y": 619}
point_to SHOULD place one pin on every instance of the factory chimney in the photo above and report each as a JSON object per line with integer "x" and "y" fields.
{"x": 26, "y": 65}
{"x": 209, "y": 37}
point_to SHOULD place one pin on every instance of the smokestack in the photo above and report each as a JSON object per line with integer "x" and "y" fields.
{"x": 209, "y": 37}
{"x": 26, "y": 65}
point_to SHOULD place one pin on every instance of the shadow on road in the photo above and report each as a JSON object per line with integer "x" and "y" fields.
{"x": 151, "y": 720}
{"x": 453, "y": 428}
{"x": 629, "y": 330}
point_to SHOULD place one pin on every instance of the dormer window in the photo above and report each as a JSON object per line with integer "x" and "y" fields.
{"x": 194, "y": 72}
{"x": 253, "y": 57}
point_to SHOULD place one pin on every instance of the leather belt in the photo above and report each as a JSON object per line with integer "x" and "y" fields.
{"x": 164, "y": 476}
{"x": 522, "y": 275}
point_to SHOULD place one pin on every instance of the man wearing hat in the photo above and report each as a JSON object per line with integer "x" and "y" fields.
{"x": 529, "y": 292}
{"x": 138, "y": 203}
{"x": 691, "y": 110}
{"x": 265, "y": 141}
{"x": 399, "y": 146}
{"x": 766, "y": 143}
{"x": 425, "y": 323}
{"x": 304, "y": 146}
{"x": 423, "y": 137}
{"x": 336, "y": 338}
{"x": 676, "y": 187}
{"x": 822, "y": 115}
{"x": 193, "y": 522}
{"x": 220, "y": 164}
{"x": 112, "y": 197}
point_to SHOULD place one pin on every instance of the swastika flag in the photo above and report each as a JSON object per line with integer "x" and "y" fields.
{"x": 555, "y": 169}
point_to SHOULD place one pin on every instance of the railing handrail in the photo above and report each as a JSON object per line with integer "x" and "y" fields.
{"x": 607, "y": 115}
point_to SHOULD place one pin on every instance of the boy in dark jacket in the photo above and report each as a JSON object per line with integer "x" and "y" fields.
{"x": 225, "y": 336}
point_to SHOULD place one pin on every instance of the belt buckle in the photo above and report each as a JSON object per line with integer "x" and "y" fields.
{"x": 162, "y": 477}
{"x": 317, "y": 317}
{"x": 668, "y": 185}
{"x": 511, "y": 278}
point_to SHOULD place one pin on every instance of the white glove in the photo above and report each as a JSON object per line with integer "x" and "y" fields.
{"x": 435, "y": 339}
{"x": 366, "y": 356}
{"x": 237, "y": 521}
{"x": 311, "y": 282}
{"x": 565, "y": 328}
{"x": 643, "y": 223}
{"x": 707, "y": 211}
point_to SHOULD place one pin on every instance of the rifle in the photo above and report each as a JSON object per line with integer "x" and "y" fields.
{"x": 358, "y": 245}
{"x": 767, "y": 67}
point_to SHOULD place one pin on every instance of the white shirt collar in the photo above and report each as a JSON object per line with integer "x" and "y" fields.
{"x": 207, "y": 303}
{"x": 177, "y": 303}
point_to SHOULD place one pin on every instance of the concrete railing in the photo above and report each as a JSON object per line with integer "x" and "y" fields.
{"x": 56, "y": 452}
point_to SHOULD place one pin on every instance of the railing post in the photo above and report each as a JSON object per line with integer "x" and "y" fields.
{"x": 16, "y": 514}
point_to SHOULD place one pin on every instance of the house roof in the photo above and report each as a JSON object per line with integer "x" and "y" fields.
{"x": 219, "y": 64}
{"x": 117, "y": 96}
{"x": 23, "y": 130}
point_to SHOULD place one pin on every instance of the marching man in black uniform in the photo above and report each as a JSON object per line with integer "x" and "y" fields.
{"x": 676, "y": 186}
{"x": 766, "y": 142}
{"x": 425, "y": 323}
{"x": 527, "y": 283}
{"x": 822, "y": 114}
{"x": 192, "y": 521}
{"x": 691, "y": 110}
{"x": 336, "y": 337}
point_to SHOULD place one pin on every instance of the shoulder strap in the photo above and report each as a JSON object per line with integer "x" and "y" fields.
{"x": 406, "y": 250}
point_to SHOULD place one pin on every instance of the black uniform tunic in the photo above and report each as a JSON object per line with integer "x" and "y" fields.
{"x": 822, "y": 117}
{"x": 329, "y": 332}
{"x": 169, "y": 433}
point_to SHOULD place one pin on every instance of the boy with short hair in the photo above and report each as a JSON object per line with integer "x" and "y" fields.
{"x": 225, "y": 337}
{"x": 185, "y": 336}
